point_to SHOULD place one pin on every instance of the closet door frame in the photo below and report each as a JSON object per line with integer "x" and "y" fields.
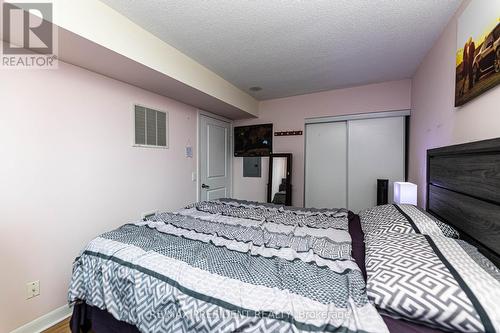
{"x": 346, "y": 118}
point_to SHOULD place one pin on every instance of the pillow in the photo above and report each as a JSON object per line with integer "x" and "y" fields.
{"x": 406, "y": 219}
{"x": 438, "y": 281}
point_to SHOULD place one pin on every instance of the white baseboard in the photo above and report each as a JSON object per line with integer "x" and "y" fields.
{"x": 45, "y": 321}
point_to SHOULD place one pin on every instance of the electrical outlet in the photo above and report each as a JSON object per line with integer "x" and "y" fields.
{"x": 32, "y": 289}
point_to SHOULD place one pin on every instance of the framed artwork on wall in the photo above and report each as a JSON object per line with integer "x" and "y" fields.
{"x": 478, "y": 50}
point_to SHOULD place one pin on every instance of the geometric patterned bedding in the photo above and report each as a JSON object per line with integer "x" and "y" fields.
{"x": 419, "y": 271}
{"x": 226, "y": 266}
{"x": 403, "y": 219}
{"x": 312, "y": 217}
{"x": 434, "y": 280}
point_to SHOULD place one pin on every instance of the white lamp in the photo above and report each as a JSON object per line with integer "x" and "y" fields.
{"x": 405, "y": 193}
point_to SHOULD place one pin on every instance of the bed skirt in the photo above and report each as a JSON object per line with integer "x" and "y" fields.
{"x": 86, "y": 318}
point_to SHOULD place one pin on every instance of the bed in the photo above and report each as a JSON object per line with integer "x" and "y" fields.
{"x": 230, "y": 265}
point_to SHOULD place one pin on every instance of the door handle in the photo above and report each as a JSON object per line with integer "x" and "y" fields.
{"x": 205, "y": 186}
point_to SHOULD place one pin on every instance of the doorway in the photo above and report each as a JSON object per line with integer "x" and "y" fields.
{"x": 214, "y": 134}
{"x": 345, "y": 155}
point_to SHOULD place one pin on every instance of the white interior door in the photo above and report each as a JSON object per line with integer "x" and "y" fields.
{"x": 376, "y": 151}
{"x": 215, "y": 173}
{"x": 326, "y": 165}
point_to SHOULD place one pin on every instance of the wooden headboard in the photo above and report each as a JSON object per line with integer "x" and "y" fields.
{"x": 463, "y": 190}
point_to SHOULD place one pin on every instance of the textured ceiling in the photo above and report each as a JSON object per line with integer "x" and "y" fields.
{"x": 297, "y": 46}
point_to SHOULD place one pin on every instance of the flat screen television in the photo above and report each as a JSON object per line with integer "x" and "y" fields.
{"x": 255, "y": 140}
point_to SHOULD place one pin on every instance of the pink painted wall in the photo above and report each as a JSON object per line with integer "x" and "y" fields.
{"x": 435, "y": 122}
{"x": 68, "y": 172}
{"x": 289, "y": 114}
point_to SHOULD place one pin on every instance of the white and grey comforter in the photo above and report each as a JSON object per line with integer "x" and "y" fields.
{"x": 225, "y": 266}
{"x": 438, "y": 281}
{"x": 417, "y": 273}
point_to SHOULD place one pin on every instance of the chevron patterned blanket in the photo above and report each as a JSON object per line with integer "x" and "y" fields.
{"x": 228, "y": 266}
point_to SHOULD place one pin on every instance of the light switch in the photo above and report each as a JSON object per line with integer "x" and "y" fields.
{"x": 189, "y": 151}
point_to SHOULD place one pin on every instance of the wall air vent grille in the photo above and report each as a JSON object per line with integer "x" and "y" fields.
{"x": 151, "y": 127}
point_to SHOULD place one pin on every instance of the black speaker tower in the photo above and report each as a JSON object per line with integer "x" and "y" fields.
{"x": 382, "y": 191}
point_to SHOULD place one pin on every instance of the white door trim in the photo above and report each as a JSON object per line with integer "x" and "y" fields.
{"x": 215, "y": 116}
{"x": 198, "y": 143}
{"x": 356, "y": 116}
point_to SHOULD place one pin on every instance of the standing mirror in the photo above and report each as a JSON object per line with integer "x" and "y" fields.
{"x": 279, "y": 186}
